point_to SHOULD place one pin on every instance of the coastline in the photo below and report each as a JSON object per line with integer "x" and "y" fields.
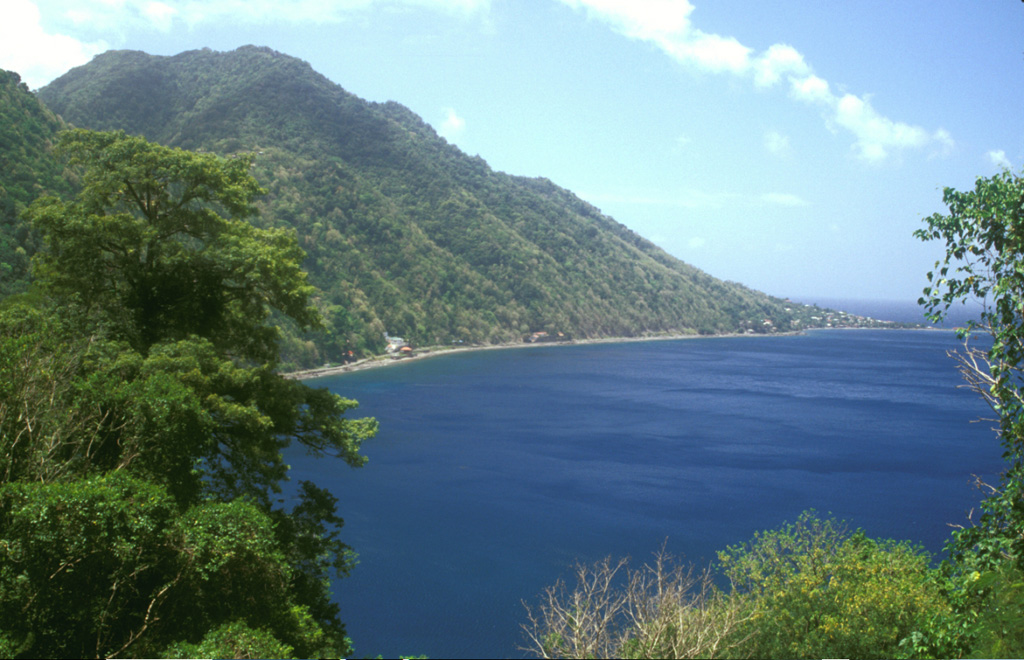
{"x": 381, "y": 361}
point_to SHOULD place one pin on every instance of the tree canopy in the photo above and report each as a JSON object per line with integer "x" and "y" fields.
{"x": 142, "y": 422}
{"x": 157, "y": 242}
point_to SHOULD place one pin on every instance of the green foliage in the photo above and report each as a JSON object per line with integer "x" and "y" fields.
{"x": 27, "y": 170}
{"x": 79, "y": 568}
{"x": 232, "y": 640}
{"x": 96, "y": 566}
{"x": 812, "y": 589}
{"x": 142, "y": 423}
{"x": 999, "y": 631}
{"x": 984, "y": 245}
{"x": 157, "y": 242}
{"x": 809, "y": 589}
{"x": 984, "y": 239}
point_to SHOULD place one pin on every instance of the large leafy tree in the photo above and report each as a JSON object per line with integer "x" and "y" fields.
{"x": 140, "y": 386}
{"x": 157, "y": 243}
{"x": 984, "y": 262}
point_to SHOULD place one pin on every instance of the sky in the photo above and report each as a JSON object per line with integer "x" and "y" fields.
{"x": 791, "y": 146}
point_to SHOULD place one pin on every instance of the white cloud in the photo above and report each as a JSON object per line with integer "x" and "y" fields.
{"x": 877, "y": 136}
{"x": 35, "y": 54}
{"x": 776, "y": 143}
{"x": 811, "y": 89}
{"x": 667, "y": 24}
{"x": 640, "y": 19}
{"x": 784, "y": 199}
{"x": 696, "y": 243}
{"x": 710, "y": 52}
{"x": 999, "y": 159}
{"x": 778, "y": 60}
{"x": 452, "y": 126}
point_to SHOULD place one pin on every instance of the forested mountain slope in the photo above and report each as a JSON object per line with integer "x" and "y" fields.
{"x": 404, "y": 232}
{"x": 27, "y": 169}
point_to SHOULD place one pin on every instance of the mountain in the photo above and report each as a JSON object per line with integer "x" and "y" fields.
{"x": 405, "y": 234}
{"x": 27, "y": 170}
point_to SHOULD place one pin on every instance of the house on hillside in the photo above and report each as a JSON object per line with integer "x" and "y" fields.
{"x": 544, "y": 337}
{"x": 395, "y": 344}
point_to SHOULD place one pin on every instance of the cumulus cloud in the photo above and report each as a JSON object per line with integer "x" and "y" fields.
{"x": 36, "y": 54}
{"x": 668, "y": 25}
{"x": 999, "y": 159}
{"x": 778, "y": 61}
{"x": 711, "y": 52}
{"x": 876, "y": 135}
{"x": 811, "y": 89}
{"x": 641, "y": 19}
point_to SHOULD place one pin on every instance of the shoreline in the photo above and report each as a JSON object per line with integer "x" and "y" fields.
{"x": 381, "y": 361}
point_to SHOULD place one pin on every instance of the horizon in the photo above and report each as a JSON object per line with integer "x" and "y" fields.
{"x": 820, "y": 138}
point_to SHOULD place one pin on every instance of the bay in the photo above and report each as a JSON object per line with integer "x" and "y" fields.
{"x": 493, "y": 471}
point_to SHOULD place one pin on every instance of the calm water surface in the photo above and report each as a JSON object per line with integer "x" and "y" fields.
{"x": 494, "y": 471}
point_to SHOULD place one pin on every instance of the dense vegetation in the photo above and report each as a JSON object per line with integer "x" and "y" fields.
{"x": 27, "y": 170}
{"x": 142, "y": 423}
{"x": 815, "y": 589}
{"x": 810, "y": 589}
{"x": 403, "y": 232}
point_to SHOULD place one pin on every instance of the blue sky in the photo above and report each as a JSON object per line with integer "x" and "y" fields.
{"x": 790, "y": 146}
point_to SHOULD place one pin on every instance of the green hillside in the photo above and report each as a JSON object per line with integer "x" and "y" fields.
{"x": 404, "y": 233}
{"x": 27, "y": 169}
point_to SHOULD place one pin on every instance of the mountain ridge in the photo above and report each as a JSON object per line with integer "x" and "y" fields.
{"x": 404, "y": 232}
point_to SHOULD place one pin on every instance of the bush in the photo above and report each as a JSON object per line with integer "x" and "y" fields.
{"x": 809, "y": 589}
{"x": 663, "y": 610}
{"x": 813, "y": 589}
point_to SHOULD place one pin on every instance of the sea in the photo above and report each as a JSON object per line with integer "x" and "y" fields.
{"x": 494, "y": 471}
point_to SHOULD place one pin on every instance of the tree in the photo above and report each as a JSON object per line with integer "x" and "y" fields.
{"x": 156, "y": 292}
{"x": 158, "y": 245}
{"x": 984, "y": 261}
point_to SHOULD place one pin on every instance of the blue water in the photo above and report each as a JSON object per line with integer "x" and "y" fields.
{"x": 494, "y": 471}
